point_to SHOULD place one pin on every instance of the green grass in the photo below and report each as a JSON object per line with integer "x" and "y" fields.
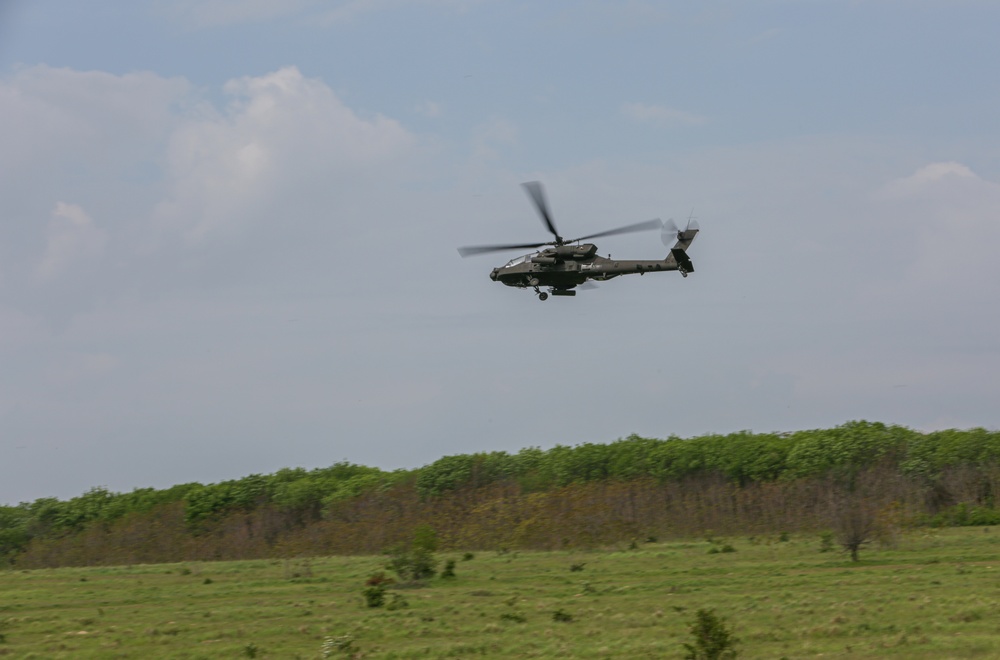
{"x": 937, "y": 595}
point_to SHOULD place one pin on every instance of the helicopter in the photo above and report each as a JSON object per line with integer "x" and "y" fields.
{"x": 562, "y": 265}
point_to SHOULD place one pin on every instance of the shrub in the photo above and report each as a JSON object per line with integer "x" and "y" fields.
{"x": 449, "y": 569}
{"x": 378, "y": 578}
{"x": 374, "y": 595}
{"x": 562, "y": 615}
{"x": 712, "y": 638}
{"x": 374, "y": 591}
{"x": 413, "y": 565}
{"x": 855, "y": 524}
{"x": 415, "y": 561}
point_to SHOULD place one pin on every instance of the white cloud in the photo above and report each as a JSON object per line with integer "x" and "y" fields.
{"x": 72, "y": 238}
{"x": 200, "y": 14}
{"x": 171, "y": 191}
{"x": 926, "y": 178}
{"x": 86, "y": 122}
{"x": 429, "y": 109}
{"x": 489, "y": 138}
{"x": 214, "y": 13}
{"x": 283, "y": 135}
{"x": 661, "y": 115}
{"x": 952, "y": 218}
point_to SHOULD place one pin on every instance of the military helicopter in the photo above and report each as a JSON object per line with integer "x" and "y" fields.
{"x": 567, "y": 264}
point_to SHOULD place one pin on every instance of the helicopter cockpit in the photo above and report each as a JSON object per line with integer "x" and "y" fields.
{"x": 516, "y": 261}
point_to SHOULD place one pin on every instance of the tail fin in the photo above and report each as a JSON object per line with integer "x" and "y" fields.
{"x": 686, "y": 237}
{"x": 678, "y": 253}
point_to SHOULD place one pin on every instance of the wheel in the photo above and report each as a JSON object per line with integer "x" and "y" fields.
{"x": 533, "y": 281}
{"x": 543, "y": 296}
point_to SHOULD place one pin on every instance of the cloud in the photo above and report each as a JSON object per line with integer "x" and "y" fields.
{"x": 283, "y": 138}
{"x": 72, "y": 238}
{"x": 202, "y": 14}
{"x": 60, "y": 121}
{"x": 429, "y": 109}
{"x": 927, "y": 178}
{"x": 491, "y": 137}
{"x": 952, "y": 219}
{"x": 117, "y": 185}
{"x": 661, "y": 115}
{"x": 215, "y": 13}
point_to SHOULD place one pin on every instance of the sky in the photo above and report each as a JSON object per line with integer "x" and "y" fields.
{"x": 228, "y": 228}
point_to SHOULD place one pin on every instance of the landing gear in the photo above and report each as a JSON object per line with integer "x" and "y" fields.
{"x": 542, "y": 295}
{"x": 683, "y": 272}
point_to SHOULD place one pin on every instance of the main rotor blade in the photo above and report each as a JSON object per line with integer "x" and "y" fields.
{"x": 483, "y": 249}
{"x": 537, "y": 194}
{"x": 655, "y": 223}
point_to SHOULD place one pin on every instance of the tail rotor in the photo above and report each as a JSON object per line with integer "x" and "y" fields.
{"x": 671, "y": 233}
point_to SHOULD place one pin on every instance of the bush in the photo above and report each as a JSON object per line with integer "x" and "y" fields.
{"x": 712, "y": 638}
{"x": 415, "y": 561}
{"x": 413, "y": 565}
{"x": 562, "y": 616}
{"x": 374, "y": 591}
{"x": 374, "y": 595}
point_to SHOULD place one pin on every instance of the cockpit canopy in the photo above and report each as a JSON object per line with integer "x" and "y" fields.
{"x": 517, "y": 261}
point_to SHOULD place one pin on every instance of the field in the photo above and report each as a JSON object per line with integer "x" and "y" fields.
{"x": 935, "y": 595}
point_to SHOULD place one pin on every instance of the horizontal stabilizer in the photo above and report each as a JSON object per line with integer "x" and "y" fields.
{"x": 682, "y": 259}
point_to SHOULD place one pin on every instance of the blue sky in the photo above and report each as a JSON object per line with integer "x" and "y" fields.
{"x": 228, "y": 229}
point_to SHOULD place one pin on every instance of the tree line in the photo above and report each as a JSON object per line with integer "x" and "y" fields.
{"x": 566, "y": 496}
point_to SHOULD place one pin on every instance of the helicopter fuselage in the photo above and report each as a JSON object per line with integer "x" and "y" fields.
{"x": 566, "y": 266}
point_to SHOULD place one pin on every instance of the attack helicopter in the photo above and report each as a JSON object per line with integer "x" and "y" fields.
{"x": 562, "y": 265}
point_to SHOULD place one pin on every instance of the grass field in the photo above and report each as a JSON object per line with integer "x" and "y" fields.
{"x": 936, "y": 595}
